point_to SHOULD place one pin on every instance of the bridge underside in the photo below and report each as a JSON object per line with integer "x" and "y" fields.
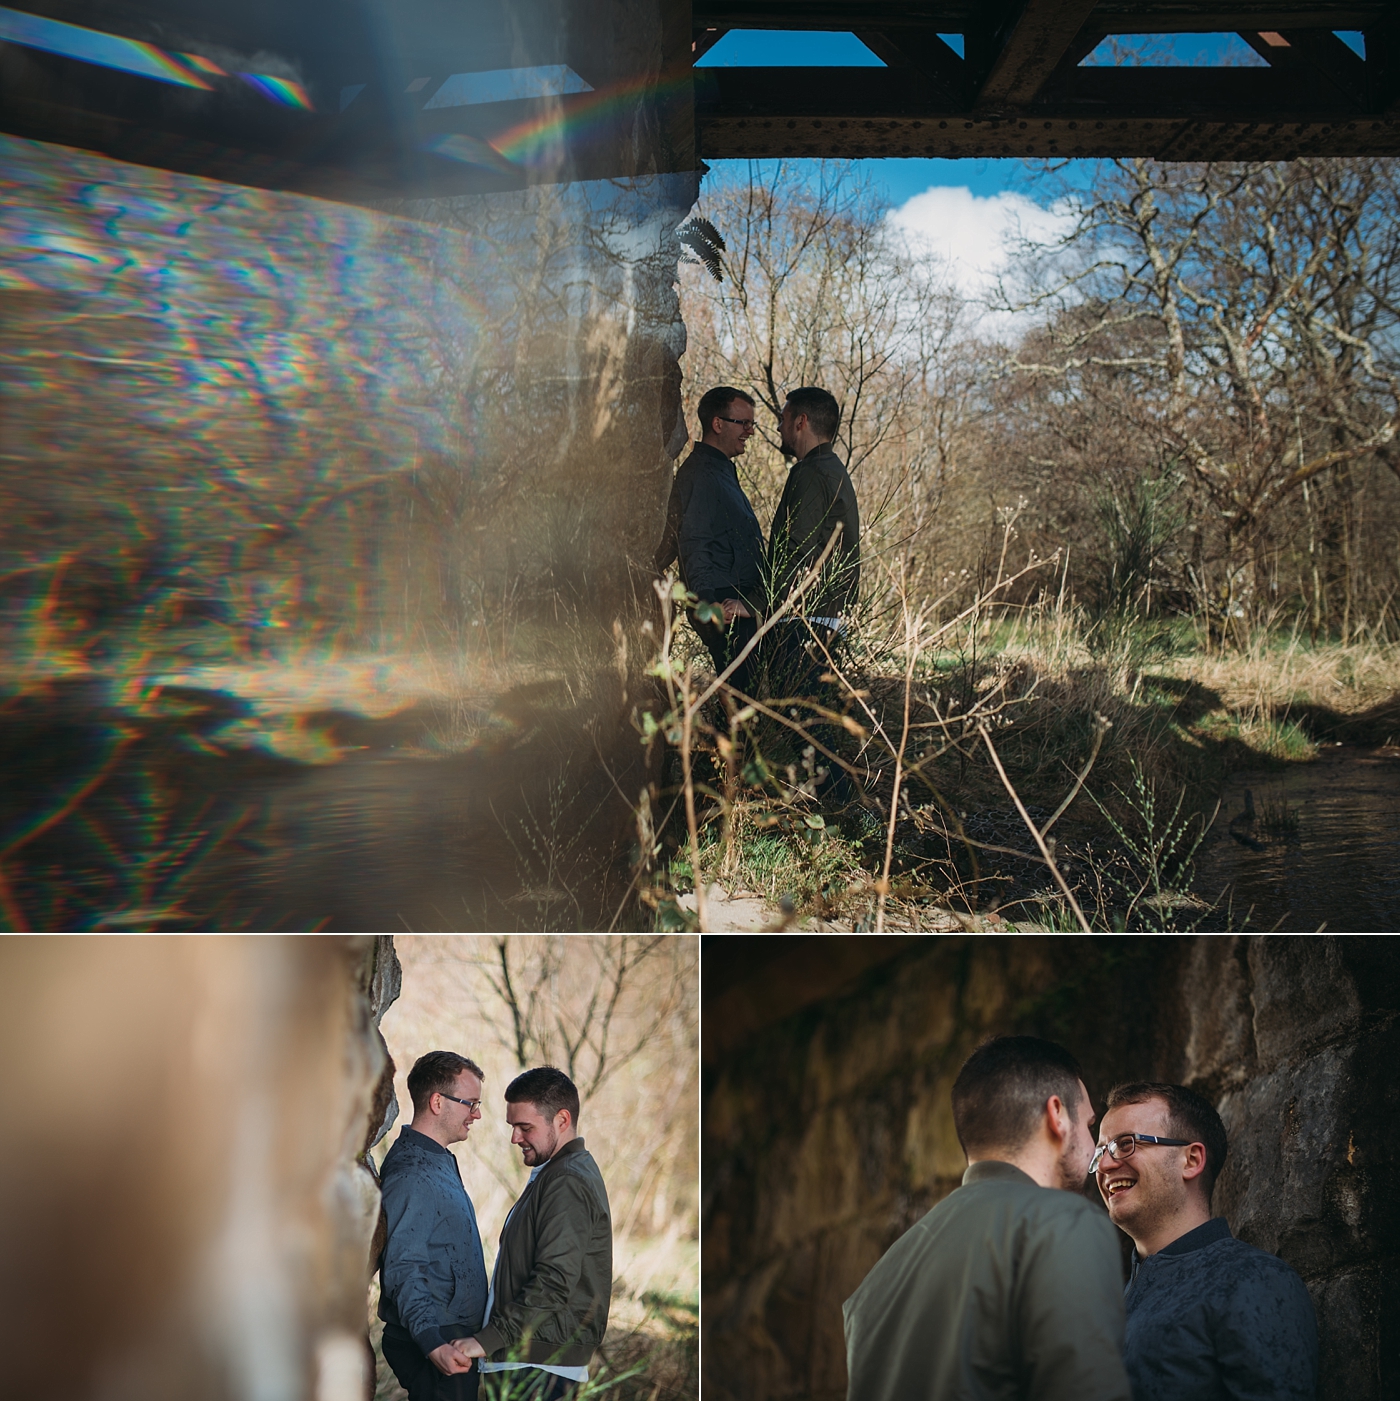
{"x": 1018, "y": 90}
{"x": 368, "y": 100}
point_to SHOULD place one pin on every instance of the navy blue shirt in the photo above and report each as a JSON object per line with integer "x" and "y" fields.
{"x": 1211, "y": 1318}
{"x": 432, "y": 1283}
{"x": 718, "y": 537}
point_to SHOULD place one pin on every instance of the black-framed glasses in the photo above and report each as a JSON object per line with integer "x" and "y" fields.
{"x": 748, "y": 423}
{"x": 1124, "y": 1145}
{"x": 470, "y": 1103}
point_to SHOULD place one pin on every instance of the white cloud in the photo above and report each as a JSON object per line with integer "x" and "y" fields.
{"x": 975, "y": 234}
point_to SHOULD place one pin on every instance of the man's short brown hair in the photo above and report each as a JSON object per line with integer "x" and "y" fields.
{"x": 716, "y": 402}
{"x": 1188, "y": 1116}
{"x": 1000, "y": 1092}
{"x": 820, "y": 406}
{"x": 435, "y": 1074}
{"x": 548, "y": 1089}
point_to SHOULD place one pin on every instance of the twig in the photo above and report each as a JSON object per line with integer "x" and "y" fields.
{"x": 911, "y": 646}
{"x": 1102, "y": 725}
{"x": 702, "y": 912}
{"x": 1034, "y": 831}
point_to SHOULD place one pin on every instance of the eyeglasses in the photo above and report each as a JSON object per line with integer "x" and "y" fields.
{"x": 470, "y": 1103}
{"x": 1125, "y": 1145}
{"x": 741, "y": 422}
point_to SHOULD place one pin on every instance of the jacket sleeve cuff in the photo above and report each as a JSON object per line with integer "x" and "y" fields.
{"x": 431, "y": 1338}
{"x": 492, "y": 1339}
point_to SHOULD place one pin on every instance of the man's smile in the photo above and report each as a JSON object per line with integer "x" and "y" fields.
{"x": 1114, "y": 1185}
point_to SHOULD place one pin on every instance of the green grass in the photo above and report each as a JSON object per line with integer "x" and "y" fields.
{"x": 815, "y": 866}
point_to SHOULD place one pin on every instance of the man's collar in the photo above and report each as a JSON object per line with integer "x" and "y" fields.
{"x": 989, "y": 1170}
{"x": 815, "y": 453}
{"x": 423, "y": 1140}
{"x": 1199, "y": 1237}
{"x": 574, "y": 1145}
{"x": 715, "y": 452}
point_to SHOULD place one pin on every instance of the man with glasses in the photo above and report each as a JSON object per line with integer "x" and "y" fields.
{"x": 1209, "y": 1317}
{"x": 432, "y": 1275}
{"x": 712, "y": 529}
{"x": 1010, "y": 1289}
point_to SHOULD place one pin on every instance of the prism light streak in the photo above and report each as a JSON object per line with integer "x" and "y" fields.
{"x": 205, "y": 65}
{"x": 470, "y": 150}
{"x": 282, "y": 90}
{"x": 506, "y": 85}
{"x": 93, "y": 46}
{"x": 539, "y": 138}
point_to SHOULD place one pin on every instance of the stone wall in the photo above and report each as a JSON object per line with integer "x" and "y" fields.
{"x": 186, "y": 1213}
{"x": 828, "y": 1131}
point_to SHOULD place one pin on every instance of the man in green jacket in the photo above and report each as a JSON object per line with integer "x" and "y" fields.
{"x": 550, "y": 1290}
{"x": 818, "y": 502}
{"x": 1011, "y": 1288}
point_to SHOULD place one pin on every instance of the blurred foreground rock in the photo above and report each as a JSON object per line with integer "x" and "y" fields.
{"x": 186, "y": 1213}
{"x": 828, "y": 1129}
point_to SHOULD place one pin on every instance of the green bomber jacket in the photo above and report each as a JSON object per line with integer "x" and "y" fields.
{"x": 1004, "y": 1291}
{"x": 553, "y": 1277}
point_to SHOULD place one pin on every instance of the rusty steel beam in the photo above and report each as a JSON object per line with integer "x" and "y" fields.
{"x": 1177, "y": 114}
{"x": 1114, "y": 16}
{"x": 1313, "y": 51}
{"x": 1032, "y": 48}
{"x": 922, "y": 51}
{"x": 1178, "y": 139}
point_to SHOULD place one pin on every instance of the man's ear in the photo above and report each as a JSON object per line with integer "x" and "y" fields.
{"x": 1195, "y": 1163}
{"x": 1058, "y": 1118}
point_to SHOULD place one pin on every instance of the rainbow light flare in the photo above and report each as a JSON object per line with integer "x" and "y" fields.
{"x": 470, "y": 150}
{"x": 540, "y": 139}
{"x": 282, "y": 90}
{"x": 93, "y": 46}
{"x": 205, "y": 65}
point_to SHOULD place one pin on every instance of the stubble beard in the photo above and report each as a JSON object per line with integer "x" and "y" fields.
{"x": 534, "y": 1157}
{"x": 1073, "y": 1168}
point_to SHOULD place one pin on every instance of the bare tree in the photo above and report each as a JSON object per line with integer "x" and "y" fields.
{"x": 817, "y": 288}
{"x": 561, "y": 1000}
{"x": 1237, "y": 321}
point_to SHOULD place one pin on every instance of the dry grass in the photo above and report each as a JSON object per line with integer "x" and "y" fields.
{"x": 1273, "y": 674}
{"x": 1160, "y": 722}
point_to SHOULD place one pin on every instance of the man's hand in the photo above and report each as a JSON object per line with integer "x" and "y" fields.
{"x": 452, "y": 1358}
{"x": 469, "y": 1347}
{"x": 734, "y": 608}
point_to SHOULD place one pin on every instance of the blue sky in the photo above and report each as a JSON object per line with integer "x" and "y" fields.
{"x": 901, "y": 180}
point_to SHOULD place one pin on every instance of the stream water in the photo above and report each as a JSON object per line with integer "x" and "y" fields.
{"x": 1322, "y": 853}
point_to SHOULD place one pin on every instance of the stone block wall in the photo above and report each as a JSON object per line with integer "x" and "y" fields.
{"x": 828, "y": 1132}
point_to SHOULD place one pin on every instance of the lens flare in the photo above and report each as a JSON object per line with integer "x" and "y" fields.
{"x": 281, "y": 90}
{"x": 470, "y": 150}
{"x": 541, "y": 139}
{"x": 204, "y": 65}
{"x": 507, "y": 85}
{"x": 93, "y": 46}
